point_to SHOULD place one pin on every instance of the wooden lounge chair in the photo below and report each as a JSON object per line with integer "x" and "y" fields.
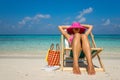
{"x": 66, "y": 62}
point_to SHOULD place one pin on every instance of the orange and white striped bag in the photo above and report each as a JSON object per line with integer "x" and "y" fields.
{"x": 53, "y": 57}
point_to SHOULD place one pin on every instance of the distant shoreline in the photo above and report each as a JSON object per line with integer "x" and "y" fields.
{"x": 29, "y": 34}
{"x": 53, "y": 34}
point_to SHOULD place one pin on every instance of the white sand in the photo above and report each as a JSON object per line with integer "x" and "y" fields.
{"x": 29, "y": 68}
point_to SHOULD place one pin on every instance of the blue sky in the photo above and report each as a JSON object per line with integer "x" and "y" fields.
{"x": 44, "y": 16}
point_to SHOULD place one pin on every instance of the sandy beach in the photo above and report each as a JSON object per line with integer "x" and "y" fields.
{"x": 29, "y": 68}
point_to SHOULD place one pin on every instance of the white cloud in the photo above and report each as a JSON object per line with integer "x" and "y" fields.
{"x": 39, "y": 16}
{"x": 82, "y": 19}
{"x": 33, "y": 19}
{"x": 85, "y": 11}
{"x": 106, "y": 22}
{"x": 26, "y": 19}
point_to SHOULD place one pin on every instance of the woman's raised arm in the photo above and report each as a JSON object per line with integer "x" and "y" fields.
{"x": 89, "y": 29}
{"x": 63, "y": 31}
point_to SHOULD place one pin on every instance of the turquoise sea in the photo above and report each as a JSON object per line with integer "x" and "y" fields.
{"x": 39, "y": 44}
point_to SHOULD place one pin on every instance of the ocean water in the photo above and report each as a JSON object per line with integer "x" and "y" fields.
{"x": 39, "y": 44}
{"x": 26, "y": 44}
{"x": 110, "y": 43}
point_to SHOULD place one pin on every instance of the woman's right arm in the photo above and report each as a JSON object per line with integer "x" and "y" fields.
{"x": 62, "y": 30}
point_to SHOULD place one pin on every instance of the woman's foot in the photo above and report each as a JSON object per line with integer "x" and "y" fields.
{"x": 91, "y": 70}
{"x": 76, "y": 69}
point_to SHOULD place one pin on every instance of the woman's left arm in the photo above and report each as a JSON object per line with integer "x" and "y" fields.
{"x": 89, "y": 29}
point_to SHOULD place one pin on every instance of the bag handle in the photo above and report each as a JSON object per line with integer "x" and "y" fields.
{"x": 52, "y": 46}
{"x": 57, "y": 47}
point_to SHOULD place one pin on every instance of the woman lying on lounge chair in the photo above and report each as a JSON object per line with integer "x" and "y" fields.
{"x": 77, "y": 36}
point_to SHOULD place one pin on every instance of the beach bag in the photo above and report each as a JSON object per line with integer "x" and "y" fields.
{"x": 53, "y": 56}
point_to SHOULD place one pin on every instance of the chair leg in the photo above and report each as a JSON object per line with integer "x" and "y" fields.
{"x": 100, "y": 62}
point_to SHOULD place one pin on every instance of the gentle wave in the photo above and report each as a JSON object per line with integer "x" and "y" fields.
{"x": 38, "y": 44}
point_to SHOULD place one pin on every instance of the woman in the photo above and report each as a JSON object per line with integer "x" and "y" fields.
{"x": 77, "y": 36}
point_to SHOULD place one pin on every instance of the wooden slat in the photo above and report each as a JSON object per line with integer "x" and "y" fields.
{"x": 91, "y": 48}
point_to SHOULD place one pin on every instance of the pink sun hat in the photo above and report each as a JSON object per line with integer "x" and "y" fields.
{"x": 76, "y": 25}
